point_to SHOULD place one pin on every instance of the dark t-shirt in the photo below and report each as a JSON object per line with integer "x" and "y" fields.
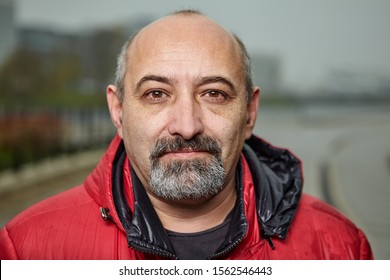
{"x": 199, "y": 245}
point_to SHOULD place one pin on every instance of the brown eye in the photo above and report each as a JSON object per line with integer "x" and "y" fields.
{"x": 156, "y": 96}
{"x": 215, "y": 96}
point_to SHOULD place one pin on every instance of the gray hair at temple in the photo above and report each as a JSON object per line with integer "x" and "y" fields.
{"x": 122, "y": 61}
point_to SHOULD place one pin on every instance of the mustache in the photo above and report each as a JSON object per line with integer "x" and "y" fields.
{"x": 177, "y": 144}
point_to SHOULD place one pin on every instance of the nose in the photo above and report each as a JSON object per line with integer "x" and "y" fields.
{"x": 185, "y": 118}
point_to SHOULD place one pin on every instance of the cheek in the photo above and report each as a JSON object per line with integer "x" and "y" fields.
{"x": 141, "y": 130}
{"x": 233, "y": 124}
{"x": 230, "y": 131}
{"x": 136, "y": 139}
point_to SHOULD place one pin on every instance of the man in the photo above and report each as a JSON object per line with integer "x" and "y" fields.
{"x": 185, "y": 178}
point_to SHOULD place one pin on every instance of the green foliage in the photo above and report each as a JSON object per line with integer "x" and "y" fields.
{"x": 37, "y": 84}
{"x": 27, "y": 137}
{"x": 29, "y": 79}
{"x": 31, "y": 85}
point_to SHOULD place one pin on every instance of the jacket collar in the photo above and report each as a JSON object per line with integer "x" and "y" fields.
{"x": 278, "y": 181}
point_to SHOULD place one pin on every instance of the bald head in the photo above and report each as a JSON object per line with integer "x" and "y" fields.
{"x": 182, "y": 26}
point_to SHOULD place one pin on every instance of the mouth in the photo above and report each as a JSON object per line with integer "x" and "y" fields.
{"x": 185, "y": 154}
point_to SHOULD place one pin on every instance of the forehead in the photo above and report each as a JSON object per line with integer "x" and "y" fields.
{"x": 194, "y": 43}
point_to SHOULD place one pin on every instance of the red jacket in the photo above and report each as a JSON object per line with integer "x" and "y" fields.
{"x": 100, "y": 220}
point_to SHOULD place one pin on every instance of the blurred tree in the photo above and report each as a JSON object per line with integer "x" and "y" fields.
{"x": 63, "y": 71}
{"x": 100, "y": 50}
{"x": 28, "y": 77}
{"x": 44, "y": 86}
{"x": 21, "y": 75}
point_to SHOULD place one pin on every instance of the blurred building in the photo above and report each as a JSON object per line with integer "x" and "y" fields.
{"x": 99, "y": 49}
{"x": 45, "y": 41}
{"x": 266, "y": 72}
{"x": 7, "y": 29}
{"x": 352, "y": 83}
{"x": 95, "y": 50}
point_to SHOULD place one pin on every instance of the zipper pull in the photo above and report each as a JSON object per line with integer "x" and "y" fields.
{"x": 270, "y": 242}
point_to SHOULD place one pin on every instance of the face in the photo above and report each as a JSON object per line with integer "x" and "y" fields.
{"x": 184, "y": 87}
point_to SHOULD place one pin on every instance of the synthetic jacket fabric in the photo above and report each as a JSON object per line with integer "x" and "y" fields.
{"x": 110, "y": 217}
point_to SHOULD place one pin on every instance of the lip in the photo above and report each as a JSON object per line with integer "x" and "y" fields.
{"x": 185, "y": 154}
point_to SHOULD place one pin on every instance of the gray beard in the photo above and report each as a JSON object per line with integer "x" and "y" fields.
{"x": 188, "y": 179}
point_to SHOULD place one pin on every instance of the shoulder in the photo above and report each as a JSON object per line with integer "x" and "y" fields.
{"x": 322, "y": 216}
{"x": 315, "y": 206}
{"x": 327, "y": 231}
{"x": 64, "y": 202}
{"x": 46, "y": 224}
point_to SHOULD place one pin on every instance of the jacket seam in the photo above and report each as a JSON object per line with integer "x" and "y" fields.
{"x": 12, "y": 242}
{"x": 54, "y": 210}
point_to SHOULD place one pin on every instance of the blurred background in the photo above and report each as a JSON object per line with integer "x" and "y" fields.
{"x": 323, "y": 67}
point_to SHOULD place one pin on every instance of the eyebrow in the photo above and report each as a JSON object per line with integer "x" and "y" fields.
{"x": 155, "y": 78}
{"x": 202, "y": 81}
{"x": 216, "y": 79}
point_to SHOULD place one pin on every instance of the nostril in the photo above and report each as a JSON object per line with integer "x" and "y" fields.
{"x": 186, "y": 122}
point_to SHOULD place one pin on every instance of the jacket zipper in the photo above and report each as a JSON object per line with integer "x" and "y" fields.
{"x": 151, "y": 251}
{"x": 228, "y": 249}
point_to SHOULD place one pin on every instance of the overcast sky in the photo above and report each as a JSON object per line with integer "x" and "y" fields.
{"x": 312, "y": 37}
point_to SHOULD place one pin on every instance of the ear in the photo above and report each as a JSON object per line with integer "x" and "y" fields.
{"x": 253, "y": 107}
{"x": 115, "y": 107}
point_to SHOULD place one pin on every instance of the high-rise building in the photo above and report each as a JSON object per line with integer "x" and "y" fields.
{"x": 7, "y": 29}
{"x": 266, "y": 71}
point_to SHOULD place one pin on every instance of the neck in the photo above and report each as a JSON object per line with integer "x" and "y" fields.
{"x": 195, "y": 215}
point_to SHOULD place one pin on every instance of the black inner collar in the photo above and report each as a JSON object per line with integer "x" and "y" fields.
{"x": 143, "y": 227}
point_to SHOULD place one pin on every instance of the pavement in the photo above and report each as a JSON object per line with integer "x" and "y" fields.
{"x": 358, "y": 175}
{"x": 33, "y": 183}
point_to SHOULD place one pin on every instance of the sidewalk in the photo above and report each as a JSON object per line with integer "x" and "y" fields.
{"x": 359, "y": 184}
{"x": 18, "y": 190}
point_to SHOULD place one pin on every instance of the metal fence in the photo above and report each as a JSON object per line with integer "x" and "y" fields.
{"x": 31, "y": 134}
